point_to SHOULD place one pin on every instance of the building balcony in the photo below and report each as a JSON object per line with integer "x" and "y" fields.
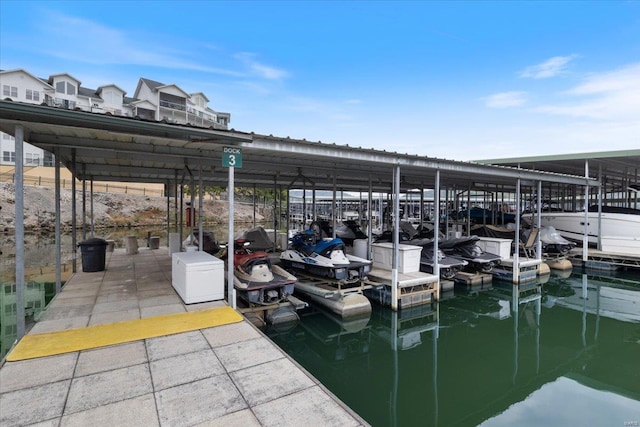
{"x": 60, "y": 103}
{"x": 172, "y": 105}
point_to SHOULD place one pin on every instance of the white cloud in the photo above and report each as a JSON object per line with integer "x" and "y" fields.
{"x": 262, "y": 70}
{"x": 624, "y": 79}
{"x": 87, "y": 41}
{"x": 612, "y": 95}
{"x": 505, "y": 99}
{"x": 550, "y": 68}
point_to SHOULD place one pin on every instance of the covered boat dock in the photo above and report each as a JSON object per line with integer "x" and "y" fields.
{"x": 97, "y": 147}
{"x": 618, "y": 173}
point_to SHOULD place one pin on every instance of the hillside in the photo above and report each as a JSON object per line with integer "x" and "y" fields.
{"x": 109, "y": 209}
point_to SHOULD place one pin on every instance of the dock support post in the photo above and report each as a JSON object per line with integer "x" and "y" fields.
{"x": 200, "y": 202}
{"x": 396, "y": 238}
{"x": 333, "y": 209}
{"x": 192, "y": 212}
{"x": 585, "y": 237}
{"x": 74, "y": 238}
{"x": 92, "y": 228}
{"x": 313, "y": 202}
{"x": 421, "y": 205}
{"x": 276, "y": 212}
{"x": 436, "y": 231}
{"x": 231, "y": 292}
{"x": 484, "y": 207}
{"x": 516, "y": 252}
{"x": 175, "y": 203}
{"x": 84, "y": 204}
{"x": 600, "y": 208}
{"x": 369, "y": 219}
{"x": 288, "y": 215}
{"x": 181, "y": 210}
{"x": 539, "y": 220}
{"x": 56, "y": 155}
{"x": 167, "y": 187}
{"x": 19, "y": 210}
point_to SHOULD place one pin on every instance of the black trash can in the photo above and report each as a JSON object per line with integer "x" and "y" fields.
{"x": 93, "y": 254}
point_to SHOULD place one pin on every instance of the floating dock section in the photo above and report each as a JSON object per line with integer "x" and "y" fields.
{"x": 473, "y": 279}
{"x": 273, "y": 314}
{"x": 415, "y": 288}
{"x": 559, "y": 263}
{"x": 345, "y": 300}
{"x": 605, "y": 261}
{"x": 525, "y": 271}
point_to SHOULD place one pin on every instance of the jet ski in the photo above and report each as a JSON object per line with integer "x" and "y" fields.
{"x": 466, "y": 249}
{"x": 347, "y": 231}
{"x": 209, "y": 243}
{"x": 449, "y": 266}
{"x": 323, "y": 257}
{"x": 255, "y": 279}
{"x": 553, "y": 243}
{"x": 387, "y": 236}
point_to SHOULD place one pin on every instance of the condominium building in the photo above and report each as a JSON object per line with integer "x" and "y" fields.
{"x": 152, "y": 101}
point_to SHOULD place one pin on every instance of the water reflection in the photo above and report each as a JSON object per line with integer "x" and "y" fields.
{"x": 36, "y": 297}
{"x": 495, "y": 356}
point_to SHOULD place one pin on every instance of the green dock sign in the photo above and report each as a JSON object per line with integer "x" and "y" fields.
{"x": 232, "y": 157}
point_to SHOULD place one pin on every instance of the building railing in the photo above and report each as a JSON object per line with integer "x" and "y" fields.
{"x": 173, "y": 105}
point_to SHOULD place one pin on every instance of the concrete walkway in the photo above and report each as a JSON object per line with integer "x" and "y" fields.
{"x": 229, "y": 375}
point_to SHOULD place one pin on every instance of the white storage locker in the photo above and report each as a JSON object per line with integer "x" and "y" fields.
{"x": 408, "y": 257}
{"x": 197, "y": 276}
{"x": 496, "y": 246}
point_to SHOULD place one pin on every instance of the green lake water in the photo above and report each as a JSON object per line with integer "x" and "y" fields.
{"x": 567, "y": 353}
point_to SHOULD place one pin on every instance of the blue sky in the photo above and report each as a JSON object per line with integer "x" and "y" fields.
{"x": 458, "y": 80}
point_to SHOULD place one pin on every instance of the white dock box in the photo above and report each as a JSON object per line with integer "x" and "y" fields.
{"x": 197, "y": 276}
{"x": 408, "y": 257}
{"x": 496, "y": 246}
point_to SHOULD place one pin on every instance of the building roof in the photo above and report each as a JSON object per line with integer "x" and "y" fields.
{"x": 21, "y": 70}
{"x": 113, "y": 148}
{"x": 89, "y": 93}
{"x": 101, "y": 88}
{"x": 617, "y": 164}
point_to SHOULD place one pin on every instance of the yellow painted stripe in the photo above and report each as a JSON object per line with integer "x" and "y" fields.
{"x": 49, "y": 344}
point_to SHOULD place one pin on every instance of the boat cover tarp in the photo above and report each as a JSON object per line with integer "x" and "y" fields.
{"x": 258, "y": 239}
{"x": 493, "y": 231}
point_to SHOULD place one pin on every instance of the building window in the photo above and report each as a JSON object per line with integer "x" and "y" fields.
{"x": 9, "y": 156}
{"x": 60, "y": 87}
{"x": 11, "y": 91}
{"x": 33, "y": 95}
{"x": 8, "y": 137}
{"x": 112, "y": 97}
{"x": 71, "y": 89}
{"x": 32, "y": 159}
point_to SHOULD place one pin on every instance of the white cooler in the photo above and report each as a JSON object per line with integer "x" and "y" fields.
{"x": 197, "y": 276}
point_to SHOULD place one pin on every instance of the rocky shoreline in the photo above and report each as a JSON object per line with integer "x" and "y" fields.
{"x": 110, "y": 210}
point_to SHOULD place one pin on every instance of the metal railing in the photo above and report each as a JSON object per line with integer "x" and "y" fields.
{"x": 173, "y": 105}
